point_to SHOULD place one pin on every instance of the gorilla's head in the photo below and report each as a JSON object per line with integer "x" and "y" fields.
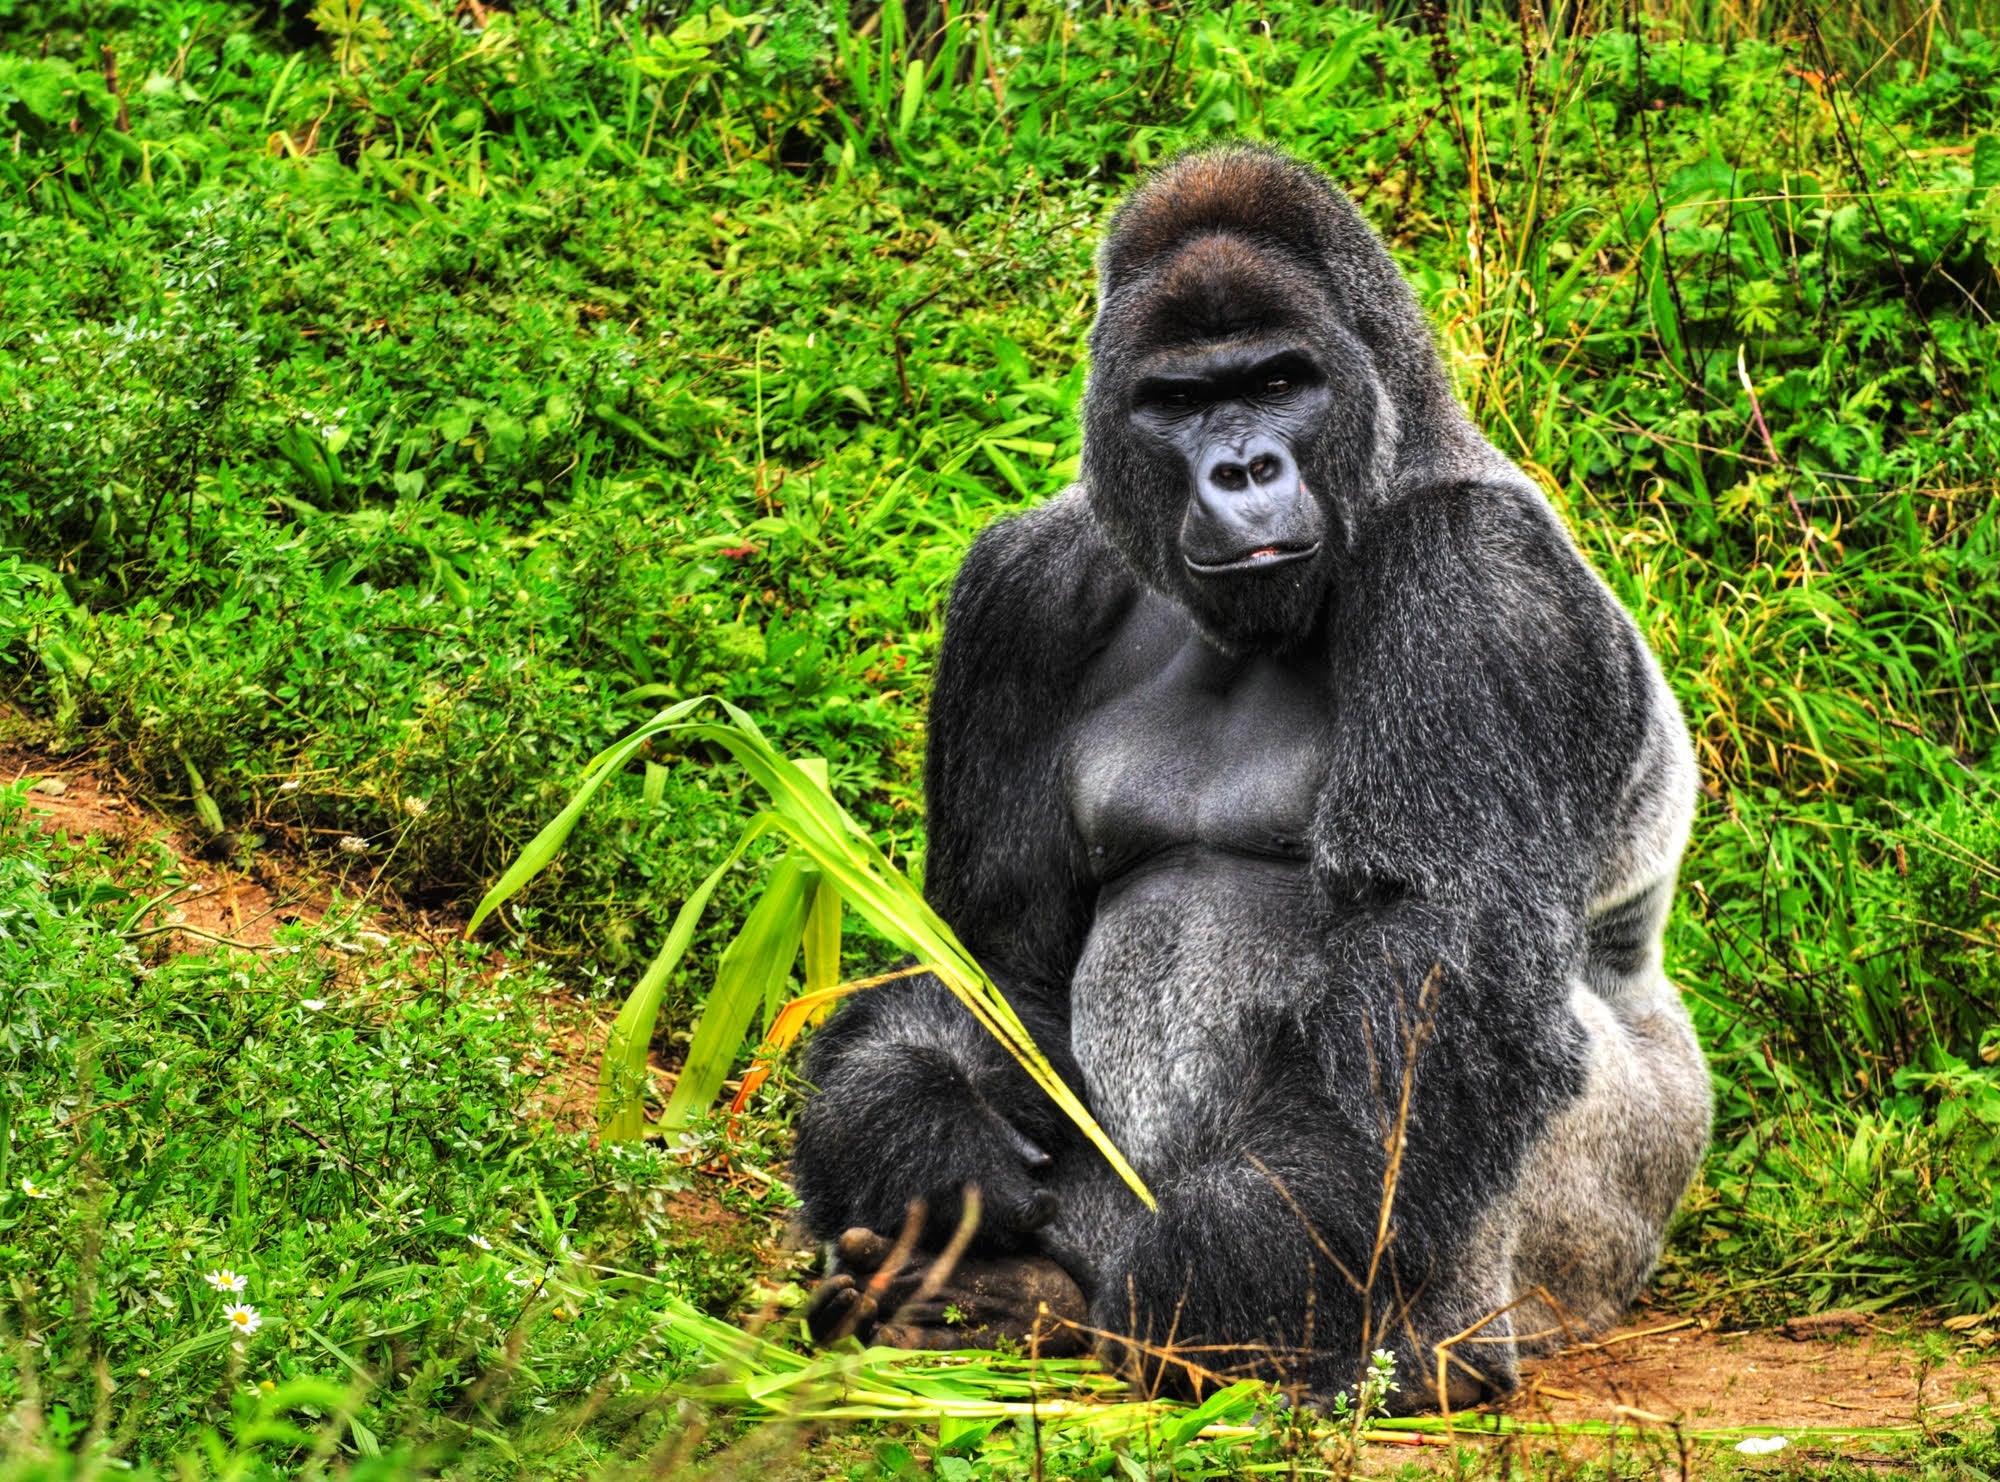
{"x": 1260, "y": 379}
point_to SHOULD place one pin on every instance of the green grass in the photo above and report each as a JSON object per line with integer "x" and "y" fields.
{"x": 349, "y": 1126}
{"x": 394, "y": 412}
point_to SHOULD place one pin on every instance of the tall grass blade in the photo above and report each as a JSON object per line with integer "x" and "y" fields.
{"x": 822, "y": 941}
{"x": 544, "y": 847}
{"x": 847, "y": 859}
{"x": 621, "y": 1081}
{"x": 752, "y": 974}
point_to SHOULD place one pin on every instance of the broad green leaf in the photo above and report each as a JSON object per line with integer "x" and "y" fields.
{"x": 913, "y": 95}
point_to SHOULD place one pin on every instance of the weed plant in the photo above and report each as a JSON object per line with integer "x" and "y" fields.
{"x": 398, "y": 404}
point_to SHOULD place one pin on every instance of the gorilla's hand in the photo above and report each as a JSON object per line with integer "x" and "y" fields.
{"x": 920, "y": 1303}
{"x": 870, "y": 1146}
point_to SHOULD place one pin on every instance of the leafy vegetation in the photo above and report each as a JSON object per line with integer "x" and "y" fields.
{"x": 397, "y": 404}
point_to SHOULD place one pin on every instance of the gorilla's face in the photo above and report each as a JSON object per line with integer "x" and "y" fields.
{"x": 1230, "y": 430}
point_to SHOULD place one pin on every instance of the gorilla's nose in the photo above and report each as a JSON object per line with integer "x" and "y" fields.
{"x": 1250, "y": 509}
{"x": 1256, "y": 468}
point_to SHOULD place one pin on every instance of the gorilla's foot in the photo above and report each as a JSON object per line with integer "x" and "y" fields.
{"x": 975, "y": 1303}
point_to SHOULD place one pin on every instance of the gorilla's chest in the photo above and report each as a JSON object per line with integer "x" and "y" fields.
{"x": 1187, "y": 748}
{"x": 1193, "y": 780}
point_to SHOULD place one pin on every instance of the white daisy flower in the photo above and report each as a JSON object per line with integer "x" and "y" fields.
{"x": 35, "y": 1191}
{"x": 353, "y": 844}
{"x": 314, "y": 1004}
{"x": 243, "y": 1318}
{"x": 225, "y": 1280}
{"x": 481, "y": 1241}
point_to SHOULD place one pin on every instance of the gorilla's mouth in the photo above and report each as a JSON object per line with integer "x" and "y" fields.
{"x": 1263, "y": 558}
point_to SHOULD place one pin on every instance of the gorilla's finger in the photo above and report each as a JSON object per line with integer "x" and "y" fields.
{"x": 840, "y": 1309}
{"x": 862, "y": 1250}
{"x": 1023, "y": 1147}
{"x": 830, "y": 1297}
{"x": 1041, "y": 1207}
{"x": 1017, "y": 1207}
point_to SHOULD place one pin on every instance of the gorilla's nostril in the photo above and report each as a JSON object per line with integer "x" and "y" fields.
{"x": 1264, "y": 469}
{"x": 1228, "y": 476}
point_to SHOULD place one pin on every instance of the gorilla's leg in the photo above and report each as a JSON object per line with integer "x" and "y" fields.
{"x": 1597, "y": 1191}
{"x": 1259, "y": 1264}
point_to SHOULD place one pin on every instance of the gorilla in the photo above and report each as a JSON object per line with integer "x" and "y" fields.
{"x": 1318, "y": 809}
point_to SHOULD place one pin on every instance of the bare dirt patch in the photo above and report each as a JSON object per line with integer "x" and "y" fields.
{"x": 217, "y": 902}
{"x": 1657, "y": 1369}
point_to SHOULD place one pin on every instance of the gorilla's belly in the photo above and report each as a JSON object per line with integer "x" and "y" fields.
{"x": 1190, "y": 955}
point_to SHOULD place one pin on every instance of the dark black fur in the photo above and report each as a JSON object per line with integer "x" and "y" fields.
{"x": 1326, "y": 815}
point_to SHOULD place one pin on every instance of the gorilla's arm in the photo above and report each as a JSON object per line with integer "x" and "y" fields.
{"x": 1493, "y": 706}
{"x": 1490, "y": 707}
{"x": 915, "y": 1099}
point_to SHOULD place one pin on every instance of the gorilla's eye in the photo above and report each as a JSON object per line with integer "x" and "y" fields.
{"x": 1177, "y": 399}
{"x": 1277, "y": 386}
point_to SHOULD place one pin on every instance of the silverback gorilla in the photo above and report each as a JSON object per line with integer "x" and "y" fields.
{"x": 1319, "y": 810}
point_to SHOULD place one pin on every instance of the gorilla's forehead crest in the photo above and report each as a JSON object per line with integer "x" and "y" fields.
{"x": 1256, "y": 196}
{"x": 1244, "y": 240}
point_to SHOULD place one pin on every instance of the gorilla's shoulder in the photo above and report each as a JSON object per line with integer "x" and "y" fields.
{"x": 1494, "y": 552}
{"x": 1048, "y": 572}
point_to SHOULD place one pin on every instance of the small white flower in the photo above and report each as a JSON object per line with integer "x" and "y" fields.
{"x": 225, "y": 1280}
{"x": 35, "y": 1191}
{"x": 521, "y": 1278}
{"x": 313, "y": 1004}
{"x": 1760, "y": 1445}
{"x": 353, "y": 844}
{"x": 289, "y": 786}
{"x": 415, "y": 807}
{"x": 243, "y": 1318}
{"x": 481, "y": 1241}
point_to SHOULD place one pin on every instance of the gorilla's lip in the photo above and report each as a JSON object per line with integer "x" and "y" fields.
{"x": 1264, "y": 558}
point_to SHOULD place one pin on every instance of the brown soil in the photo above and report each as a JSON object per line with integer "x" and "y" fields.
{"x": 214, "y": 901}
{"x": 1660, "y": 1369}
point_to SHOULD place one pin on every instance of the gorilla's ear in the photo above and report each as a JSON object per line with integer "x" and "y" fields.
{"x": 1240, "y": 189}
